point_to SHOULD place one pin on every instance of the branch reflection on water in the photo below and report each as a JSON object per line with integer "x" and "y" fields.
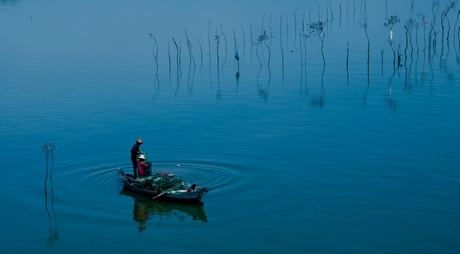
{"x": 391, "y": 103}
{"x": 405, "y": 42}
{"x": 53, "y": 235}
{"x": 145, "y": 209}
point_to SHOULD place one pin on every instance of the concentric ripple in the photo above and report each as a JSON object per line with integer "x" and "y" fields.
{"x": 102, "y": 180}
{"x": 214, "y": 175}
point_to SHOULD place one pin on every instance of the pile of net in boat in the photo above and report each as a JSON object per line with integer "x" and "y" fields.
{"x": 160, "y": 182}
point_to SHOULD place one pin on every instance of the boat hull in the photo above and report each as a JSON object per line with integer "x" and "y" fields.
{"x": 182, "y": 196}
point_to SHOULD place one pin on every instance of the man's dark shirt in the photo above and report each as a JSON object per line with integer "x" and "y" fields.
{"x": 135, "y": 150}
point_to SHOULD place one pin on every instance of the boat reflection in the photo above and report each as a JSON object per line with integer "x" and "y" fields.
{"x": 145, "y": 209}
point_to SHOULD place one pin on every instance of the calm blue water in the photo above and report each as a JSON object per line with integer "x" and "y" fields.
{"x": 300, "y": 155}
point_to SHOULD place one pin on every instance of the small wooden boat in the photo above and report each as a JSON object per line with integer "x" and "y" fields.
{"x": 177, "y": 193}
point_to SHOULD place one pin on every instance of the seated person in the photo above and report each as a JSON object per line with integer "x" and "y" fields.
{"x": 142, "y": 166}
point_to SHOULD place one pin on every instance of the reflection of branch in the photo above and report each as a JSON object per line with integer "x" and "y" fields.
{"x": 263, "y": 91}
{"x": 364, "y": 25}
{"x": 155, "y": 49}
{"x": 209, "y": 42}
{"x": 201, "y": 53}
{"x": 169, "y": 61}
{"x": 390, "y": 102}
{"x": 48, "y": 149}
{"x": 250, "y": 36}
{"x": 433, "y": 33}
{"x": 295, "y": 25}
{"x": 318, "y": 101}
{"x": 192, "y": 59}
{"x": 178, "y": 65}
{"x": 155, "y": 56}
{"x": 444, "y": 16}
{"x": 268, "y": 63}
{"x": 281, "y": 45}
{"x": 458, "y": 37}
{"x": 225, "y": 40}
{"x": 217, "y": 38}
{"x": 53, "y": 232}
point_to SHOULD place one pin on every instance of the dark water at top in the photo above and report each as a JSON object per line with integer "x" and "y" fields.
{"x": 355, "y": 152}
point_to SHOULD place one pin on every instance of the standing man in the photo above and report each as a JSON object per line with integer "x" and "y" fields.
{"x": 134, "y": 153}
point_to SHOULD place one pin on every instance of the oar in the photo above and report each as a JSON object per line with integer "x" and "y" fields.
{"x": 166, "y": 191}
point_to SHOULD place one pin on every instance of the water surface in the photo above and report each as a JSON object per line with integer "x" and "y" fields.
{"x": 350, "y": 154}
